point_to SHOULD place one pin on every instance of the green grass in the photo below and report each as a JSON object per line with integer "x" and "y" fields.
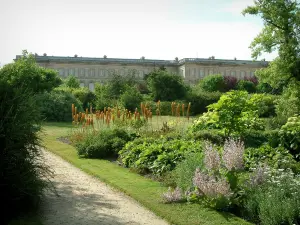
{"x": 145, "y": 191}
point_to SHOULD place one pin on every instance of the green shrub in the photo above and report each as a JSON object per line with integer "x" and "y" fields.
{"x": 245, "y": 85}
{"x": 165, "y": 86}
{"x": 103, "y": 144}
{"x": 200, "y": 100}
{"x": 234, "y": 113}
{"x": 56, "y": 105}
{"x": 185, "y": 170}
{"x": 288, "y": 104}
{"x": 131, "y": 99}
{"x": 156, "y": 156}
{"x": 23, "y": 174}
{"x": 265, "y": 104}
{"x": 213, "y": 83}
{"x": 290, "y": 135}
{"x": 212, "y": 135}
{"x": 274, "y": 202}
{"x": 264, "y": 88}
{"x": 277, "y": 158}
{"x": 85, "y": 96}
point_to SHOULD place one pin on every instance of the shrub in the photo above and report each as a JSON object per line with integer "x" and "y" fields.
{"x": 277, "y": 158}
{"x": 56, "y": 105}
{"x": 85, "y": 96}
{"x": 23, "y": 174}
{"x": 276, "y": 201}
{"x": 72, "y": 82}
{"x": 230, "y": 82}
{"x": 213, "y": 83}
{"x": 131, "y": 99}
{"x": 265, "y": 104}
{"x": 264, "y": 88}
{"x": 156, "y": 156}
{"x": 233, "y": 114}
{"x": 103, "y": 99}
{"x": 213, "y": 135}
{"x": 245, "y": 85}
{"x": 200, "y": 100}
{"x": 185, "y": 170}
{"x": 165, "y": 86}
{"x": 103, "y": 144}
{"x": 290, "y": 135}
{"x": 291, "y": 98}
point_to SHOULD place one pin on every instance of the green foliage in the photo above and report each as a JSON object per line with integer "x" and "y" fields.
{"x": 245, "y": 85}
{"x": 165, "y": 86}
{"x": 82, "y": 94}
{"x": 213, "y": 83}
{"x": 277, "y": 201}
{"x": 234, "y": 113}
{"x": 23, "y": 175}
{"x": 56, "y": 105}
{"x": 72, "y": 82}
{"x": 291, "y": 98}
{"x": 290, "y": 135}
{"x": 157, "y": 156}
{"x": 26, "y": 74}
{"x": 102, "y": 97}
{"x": 185, "y": 170}
{"x": 265, "y": 104}
{"x": 131, "y": 98}
{"x": 85, "y": 96}
{"x": 200, "y": 100}
{"x": 264, "y": 88}
{"x": 118, "y": 84}
{"x": 103, "y": 144}
{"x": 281, "y": 33}
{"x": 277, "y": 158}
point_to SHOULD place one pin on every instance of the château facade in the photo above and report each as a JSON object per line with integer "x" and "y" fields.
{"x": 91, "y": 70}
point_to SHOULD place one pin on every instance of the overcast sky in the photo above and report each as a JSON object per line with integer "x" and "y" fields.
{"x": 156, "y": 29}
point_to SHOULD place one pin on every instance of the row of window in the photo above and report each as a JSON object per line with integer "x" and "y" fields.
{"x": 97, "y": 72}
{"x": 196, "y": 73}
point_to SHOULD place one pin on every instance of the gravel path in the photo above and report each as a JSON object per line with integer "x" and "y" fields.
{"x": 84, "y": 200}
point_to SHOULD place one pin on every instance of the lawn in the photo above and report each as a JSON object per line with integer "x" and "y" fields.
{"x": 144, "y": 190}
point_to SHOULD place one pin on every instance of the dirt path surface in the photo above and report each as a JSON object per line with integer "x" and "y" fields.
{"x": 84, "y": 200}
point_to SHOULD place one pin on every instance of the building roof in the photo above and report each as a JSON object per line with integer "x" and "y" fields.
{"x": 67, "y": 59}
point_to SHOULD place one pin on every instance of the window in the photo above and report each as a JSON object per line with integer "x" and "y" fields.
{"x": 81, "y": 84}
{"x": 210, "y": 72}
{"x": 243, "y": 74}
{"x": 76, "y": 72}
{"x": 91, "y": 86}
{"x": 201, "y": 73}
{"x": 61, "y": 72}
{"x": 233, "y": 73}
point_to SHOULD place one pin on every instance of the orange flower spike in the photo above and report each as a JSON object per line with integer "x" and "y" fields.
{"x": 75, "y": 112}
{"x": 183, "y": 109}
{"x": 113, "y": 118}
{"x": 73, "y": 109}
{"x": 138, "y": 116}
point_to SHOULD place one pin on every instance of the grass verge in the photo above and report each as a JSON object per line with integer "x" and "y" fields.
{"x": 145, "y": 191}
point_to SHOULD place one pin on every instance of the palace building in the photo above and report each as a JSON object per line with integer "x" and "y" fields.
{"x": 91, "y": 70}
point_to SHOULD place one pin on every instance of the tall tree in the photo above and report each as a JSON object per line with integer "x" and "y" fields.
{"x": 26, "y": 74}
{"x": 281, "y": 32}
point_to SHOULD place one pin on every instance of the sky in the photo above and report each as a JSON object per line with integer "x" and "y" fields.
{"x": 155, "y": 29}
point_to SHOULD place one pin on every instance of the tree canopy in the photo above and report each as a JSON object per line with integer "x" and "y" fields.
{"x": 165, "y": 86}
{"x": 281, "y": 32}
{"x": 26, "y": 74}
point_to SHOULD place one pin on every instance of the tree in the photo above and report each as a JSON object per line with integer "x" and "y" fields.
{"x": 72, "y": 82}
{"x": 165, "y": 86}
{"x": 27, "y": 74}
{"x": 281, "y": 32}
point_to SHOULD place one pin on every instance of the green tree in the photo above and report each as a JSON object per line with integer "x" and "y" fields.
{"x": 72, "y": 82}
{"x": 281, "y": 32}
{"x": 165, "y": 86}
{"x": 27, "y": 74}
